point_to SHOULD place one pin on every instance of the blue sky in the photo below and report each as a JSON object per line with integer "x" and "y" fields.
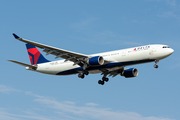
{"x": 89, "y": 27}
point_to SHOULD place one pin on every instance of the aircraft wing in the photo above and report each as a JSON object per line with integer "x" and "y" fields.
{"x": 77, "y": 58}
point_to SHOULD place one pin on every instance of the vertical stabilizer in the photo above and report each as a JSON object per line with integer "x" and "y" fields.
{"x": 35, "y": 56}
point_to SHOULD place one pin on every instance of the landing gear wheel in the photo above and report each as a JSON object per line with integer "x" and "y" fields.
{"x": 86, "y": 72}
{"x": 156, "y": 66}
{"x": 105, "y": 79}
{"x": 81, "y": 75}
{"x": 101, "y": 82}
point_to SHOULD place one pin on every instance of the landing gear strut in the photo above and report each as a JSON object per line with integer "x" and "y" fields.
{"x": 86, "y": 72}
{"x": 156, "y": 66}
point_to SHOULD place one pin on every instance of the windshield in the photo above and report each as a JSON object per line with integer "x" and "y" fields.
{"x": 165, "y": 46}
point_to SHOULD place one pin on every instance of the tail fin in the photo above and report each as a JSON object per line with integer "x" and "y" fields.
{"x": 35, "y": 56}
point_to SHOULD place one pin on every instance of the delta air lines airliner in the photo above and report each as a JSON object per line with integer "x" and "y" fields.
{"x": 111, "y": 63}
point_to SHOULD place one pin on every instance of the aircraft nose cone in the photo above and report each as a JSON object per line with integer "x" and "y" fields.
{"x": 171, "y": 51}
{"x": 168, "y": 52}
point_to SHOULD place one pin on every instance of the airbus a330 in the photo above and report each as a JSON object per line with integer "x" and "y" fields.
{"x": 111, "y": 63}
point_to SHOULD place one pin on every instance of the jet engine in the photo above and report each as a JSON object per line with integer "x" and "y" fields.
{"x": 97, "y": 60}
{"x": 130, "y": 72}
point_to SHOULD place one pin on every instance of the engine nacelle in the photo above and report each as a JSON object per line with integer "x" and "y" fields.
{"x": 97, "y": 60}
{"x": 131, "y": 72}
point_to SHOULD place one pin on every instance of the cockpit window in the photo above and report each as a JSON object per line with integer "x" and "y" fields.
{"x": 165, "y": 46}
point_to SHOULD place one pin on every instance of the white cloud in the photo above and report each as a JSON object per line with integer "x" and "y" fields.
{"x": 9, "y": 116}
{"x": 171, "y": 2}
{"x": 167, "y": 14}
{"x": 169, "y": 9}
{"x": 5, "y": 89}
{"x": 68, "y": 110}
{"x": 168, "y": 2}
{"x": 90, "y": 110}
{"x": 5, "y": 116}
{"x": 91, "y": 104}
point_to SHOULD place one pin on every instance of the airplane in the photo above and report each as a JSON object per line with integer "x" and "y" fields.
{"x": 111, "y": 63}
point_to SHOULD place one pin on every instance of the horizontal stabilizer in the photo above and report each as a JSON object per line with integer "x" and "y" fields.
{"x": 23, "y": 64}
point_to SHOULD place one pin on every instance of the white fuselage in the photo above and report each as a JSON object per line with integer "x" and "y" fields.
{"x": 118, "y": 58}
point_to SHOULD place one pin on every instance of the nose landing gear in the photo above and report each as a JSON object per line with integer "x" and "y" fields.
{"x": 156, "y": 62}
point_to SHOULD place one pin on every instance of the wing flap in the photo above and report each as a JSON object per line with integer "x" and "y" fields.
{"x": 112, "y": 73}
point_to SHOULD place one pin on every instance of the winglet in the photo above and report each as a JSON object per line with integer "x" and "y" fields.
{"x": 17, "y": 37}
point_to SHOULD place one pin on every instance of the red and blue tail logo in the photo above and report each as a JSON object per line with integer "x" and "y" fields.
{"x": 35, "y": 56}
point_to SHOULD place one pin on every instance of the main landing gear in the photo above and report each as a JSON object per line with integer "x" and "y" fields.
{"x": 104, "y": 79}
{"x": 101, "y": 82}
{"x": 156, "y": 62}
{"x": 82, "y": 75}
